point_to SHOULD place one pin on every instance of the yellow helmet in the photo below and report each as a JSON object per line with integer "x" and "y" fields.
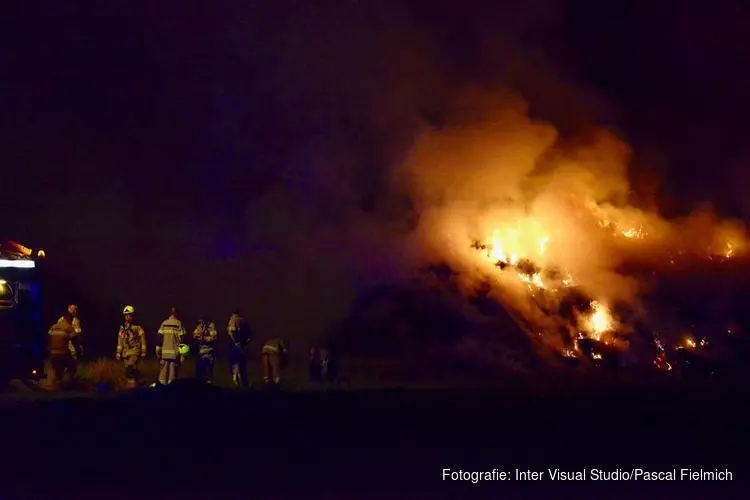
{"x": 128, "y": 310}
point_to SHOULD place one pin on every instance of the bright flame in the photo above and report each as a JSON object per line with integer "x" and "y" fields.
{"x": 542, "y": 244}
{"x": 511, "y": 245}
{"x": 634, "y": 233}
{"x": 534, "y": 279}
{"x": 601, "y": 320}
{"x": 496, "y": 249}
{"x": 730, "y": 251}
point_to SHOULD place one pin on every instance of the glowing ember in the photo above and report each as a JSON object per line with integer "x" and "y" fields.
{"x": 534, "y": 279}
{"x": 726, "y": 250}
{"x": 615, "y": 227}
{"x": 730, "y": 251}
{"x": 661, "y": 362}
{"x": 596, "y": 355}
{"x": 690, "y": 343}
{"x": 633, "y": 233}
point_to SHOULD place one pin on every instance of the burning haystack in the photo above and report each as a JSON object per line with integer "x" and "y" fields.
{"x": 542, "y": 227}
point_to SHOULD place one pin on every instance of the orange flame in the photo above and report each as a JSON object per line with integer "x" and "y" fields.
{"x": 600, "y": 321}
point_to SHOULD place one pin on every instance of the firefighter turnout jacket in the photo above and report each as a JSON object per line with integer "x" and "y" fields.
{"x": 60, "y": 337}
{"x": 76, "y": 337}
{"x": 131, "y": 341}
{"x": 239, "y": 331}
{"x": 171, "y": 333}
{"x": 205, "y": 334}
{"x": 273, "y": 360}
{"x": 274, "y": 347}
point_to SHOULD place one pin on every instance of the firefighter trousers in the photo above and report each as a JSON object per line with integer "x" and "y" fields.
{"x": 271, "y": 368}
{"x": 131, "y": 369}
{"x": 62, "y": 365}
{"x": 170, "y": 370}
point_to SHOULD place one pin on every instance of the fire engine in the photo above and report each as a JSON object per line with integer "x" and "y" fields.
{"x": 22, "y": 335}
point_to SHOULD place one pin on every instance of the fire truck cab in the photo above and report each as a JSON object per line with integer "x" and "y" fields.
{"x": 22, "y": 336}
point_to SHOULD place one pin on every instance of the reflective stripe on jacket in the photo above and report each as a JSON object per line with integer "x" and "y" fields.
{"x": 274, "y": 346}
{"x": 171, "y": 332}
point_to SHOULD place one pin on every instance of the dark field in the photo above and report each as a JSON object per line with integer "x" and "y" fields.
{"x": 191, "y": 441}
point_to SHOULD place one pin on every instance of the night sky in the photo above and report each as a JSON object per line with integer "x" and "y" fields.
{"x": 208, "y": 155}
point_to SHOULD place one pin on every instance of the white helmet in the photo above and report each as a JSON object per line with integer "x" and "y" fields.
{"x": 128, "y": 310}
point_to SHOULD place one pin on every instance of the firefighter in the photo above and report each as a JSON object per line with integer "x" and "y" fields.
{"x": 131, "y": 345}
{"x": 62, "y": 350}
{"x": 171, "y": 349}
{"x": 240, "y": 337}
{"x": 273, "y": 359}
{"x": 205, "y": 333}
{"x": 78, "y": 348}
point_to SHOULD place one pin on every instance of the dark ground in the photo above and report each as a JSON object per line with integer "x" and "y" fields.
{"x": 189, "y": 442}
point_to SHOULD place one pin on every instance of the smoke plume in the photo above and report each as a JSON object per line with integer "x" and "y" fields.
{"x": 505, "y": 200}
{"x": 413, "y": 162}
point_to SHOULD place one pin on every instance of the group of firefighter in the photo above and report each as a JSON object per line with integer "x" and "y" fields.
{"x": 66, "y": 348}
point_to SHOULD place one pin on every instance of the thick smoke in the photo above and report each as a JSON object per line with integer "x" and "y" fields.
{"x": 403, "y": 133}
{"x": 507, "y": 189}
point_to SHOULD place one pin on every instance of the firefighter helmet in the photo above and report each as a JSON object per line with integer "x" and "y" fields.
{"x": 183, "y": 349}
{"x": 128, "y": 310}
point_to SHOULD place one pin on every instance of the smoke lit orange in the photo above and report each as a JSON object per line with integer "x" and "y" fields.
{"x": 504, "y": 202}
